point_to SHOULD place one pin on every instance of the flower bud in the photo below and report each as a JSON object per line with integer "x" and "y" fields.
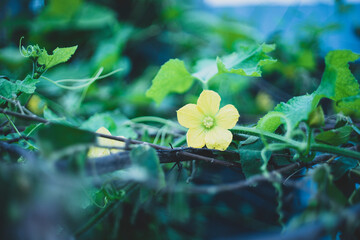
{"x": 316, "y": 118}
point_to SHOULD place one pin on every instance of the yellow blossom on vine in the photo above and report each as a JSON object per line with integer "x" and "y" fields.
{"x": 101, "y": 152}
{"x": 207, "y": 124}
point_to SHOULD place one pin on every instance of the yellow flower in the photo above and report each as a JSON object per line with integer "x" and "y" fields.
{"x": 207, "y": 124}
{"x": 101, "y": 152}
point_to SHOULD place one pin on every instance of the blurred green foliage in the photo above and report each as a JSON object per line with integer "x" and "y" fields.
{"x": 128, "y": 42}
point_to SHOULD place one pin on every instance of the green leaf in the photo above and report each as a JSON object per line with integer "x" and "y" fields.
{"x": 338, "y": 82}
{"x": 322, "y": 176}
{"x": 250, "y": 158}
{"x": 10, "y": 89}
{"x": 62, "y": 9}
{"x": 336, "y": 136}
{"x": 297, "y": 109}
{"x": 7, "y": 89}
{"x": 60, "y": 55}
{"x": 28, "y": 85}
{"x": 247, "y": 61}
{"x": 53, "y": 117}
{"x": 56, "y": 140}
{"x": 32, "y": 129}
{"x": 113, "y": 121}
{"x": 341, "y": 166}
{"x": 146, "y": 157}
{"x": 172, "y": 77}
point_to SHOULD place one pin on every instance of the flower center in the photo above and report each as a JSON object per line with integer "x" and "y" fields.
{"x": 208, "y": 122}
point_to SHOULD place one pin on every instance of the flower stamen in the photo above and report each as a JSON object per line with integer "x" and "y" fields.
{"x": 208, "y": 122}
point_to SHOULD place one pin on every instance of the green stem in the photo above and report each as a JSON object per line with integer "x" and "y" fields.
{"x": 314, "y": 146}
{"x": 17, "y": 131}
{"x": 335, "y": 150}
{"x": 157, "y": 120}
{"x": 258, "y": 132}
{"x": 308, "y": 142}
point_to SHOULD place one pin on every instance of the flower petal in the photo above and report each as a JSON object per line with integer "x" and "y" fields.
{"x": 195, "y": 137}
{"x": 209, "y": 102}
{"x": 116, "y": 143}
{"x": 103, "y": 141}
{"x": 101, "y": 152}
{"x": 95, "y": 152}
{"x": 227, "y": 117}
{"x": 218, "y": 138}
{"x": 189, "y": 116}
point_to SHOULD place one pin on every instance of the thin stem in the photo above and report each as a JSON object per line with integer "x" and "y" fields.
{"x": 294, "y": 144}
{"x": 308, "y": 141}
{"x": 17, "y": 131}
{"x": 335, "y": 150}
{"x": 27, "y": 117}
{"x": 157, "y": 120}
{"x": 96, "y": 77}
{"x": 258, "y": 132}
{"x": 17, "y": 104}
{"x": 89, "y": 79}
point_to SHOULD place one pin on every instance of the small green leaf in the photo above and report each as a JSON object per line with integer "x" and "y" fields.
{"x": 336, "y": 136}
{"x": 247, "y": 61}
{"x": 10, "y": 89}
{"x": 56, "y": 140}
{"x": 172, "y": 77}
{"x": 28, "y": 85}
{"x": 60, "y": 55}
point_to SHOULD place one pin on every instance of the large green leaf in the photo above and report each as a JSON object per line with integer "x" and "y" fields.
{"x": 250, "y": 158}
{"x": 338, "y": 82}
{"x": 60, "y": 55}
{"x": 172, "y": 77}
{"x": 324, "y": 180}
{"x": 297, "y": 109}
{"x": 335, "y": 137}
